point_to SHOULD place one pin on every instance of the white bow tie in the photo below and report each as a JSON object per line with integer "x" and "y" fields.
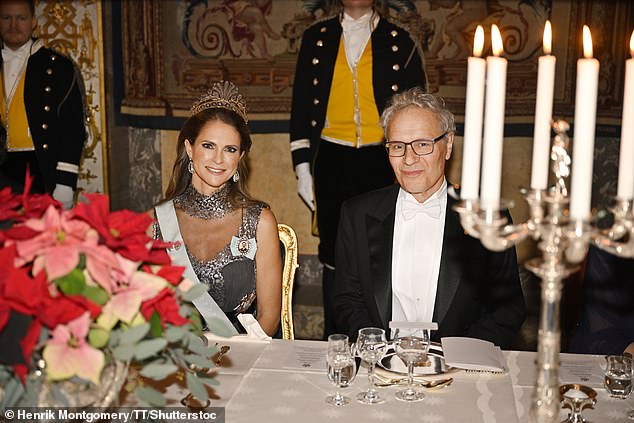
{"x": 431, "y": 208}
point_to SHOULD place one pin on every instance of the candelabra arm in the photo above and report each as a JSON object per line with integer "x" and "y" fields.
{"x": 619, "y": 239}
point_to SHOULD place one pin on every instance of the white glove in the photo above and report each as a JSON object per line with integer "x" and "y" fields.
{"x": 64, "y": 194}
{"x": 305, "y": 184}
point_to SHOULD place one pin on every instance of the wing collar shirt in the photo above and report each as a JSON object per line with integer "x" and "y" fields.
{"x": 356, "y": 34}
{"x": 14, "y": 63}
{"x": 417, "y": 247}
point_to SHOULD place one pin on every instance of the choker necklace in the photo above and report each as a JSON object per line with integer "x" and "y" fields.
{"x": 195, "y": 204}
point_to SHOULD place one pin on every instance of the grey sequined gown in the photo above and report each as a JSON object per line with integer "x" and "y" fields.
{"x": 230, "y": 278}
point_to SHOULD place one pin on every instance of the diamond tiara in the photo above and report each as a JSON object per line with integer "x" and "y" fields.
{"x": 222, "y": 95}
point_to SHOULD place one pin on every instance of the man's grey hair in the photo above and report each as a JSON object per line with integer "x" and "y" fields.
{"x": 416, "y": 97}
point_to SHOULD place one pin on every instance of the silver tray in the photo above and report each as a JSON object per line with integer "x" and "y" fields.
{"x": 435, "y": 364}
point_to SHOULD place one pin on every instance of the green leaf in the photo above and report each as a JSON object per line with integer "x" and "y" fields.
{"x": 150, "y": 396}
{"x": 199, "y": 360}
{"x": 158, "y": 371}
{"x": 175, "y": 333}
{"x": 145, "y": 349}
{"x": 115, "y": 337}
{"x": 124, "y": 352}
{"x": 96, "y": 294}
{"x": 208, "y": 381}
{"x": 218, "y": 327}
{"x": 197, "y": 346}
{"x": 194, "y": 292}
{"x": 82, "y": 262}
{"x": 98, "y": 337}
{"x": 197, "y": 322}
{"x": 196, "y": 387}
{"x": 73, "y": 283}
{"x": 156, "y": 328}
{"x": 184, "y": 310}
{"x": 134, "y": 334}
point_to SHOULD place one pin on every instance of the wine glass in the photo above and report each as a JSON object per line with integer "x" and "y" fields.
{"x": 341, "y": 367}
{"x": 411, "y": 345}
{"x": 371, "y": 346}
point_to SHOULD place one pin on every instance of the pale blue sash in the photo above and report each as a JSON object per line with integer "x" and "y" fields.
{"x": 216, "y": 319}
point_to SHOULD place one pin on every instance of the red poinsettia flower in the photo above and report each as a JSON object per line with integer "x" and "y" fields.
{"x": 9, "y": 204}
{"x": 172, "y": 274}
{"x": 64, "y": 308}
{"x": 165, "y": 304}
{"x": 28, "y": 345}
{"x": 124, "y": 231}
{"x": 34, "y": 205}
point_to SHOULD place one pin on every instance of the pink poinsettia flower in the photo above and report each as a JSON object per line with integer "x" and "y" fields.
{"x": 57, "y": 246}
{"x": 126, "y": 301}
{"x": 68, "y": 354}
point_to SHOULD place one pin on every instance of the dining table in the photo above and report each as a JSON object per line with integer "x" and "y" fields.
{"x": 286, "y": 381}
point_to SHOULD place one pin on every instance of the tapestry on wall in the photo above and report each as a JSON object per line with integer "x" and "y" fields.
{"x": 172, "y": 51}
{"x": 73, "y": 28}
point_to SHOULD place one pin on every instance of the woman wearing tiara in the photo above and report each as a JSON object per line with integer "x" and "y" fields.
{"x": 230, "y": 240}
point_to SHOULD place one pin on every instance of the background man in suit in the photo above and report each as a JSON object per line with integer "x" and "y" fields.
{"x": 348, "y": 67}
{"x": 607, "y": 315}
{"x": 41, "y": 106}
{"x": 401, "y": 253}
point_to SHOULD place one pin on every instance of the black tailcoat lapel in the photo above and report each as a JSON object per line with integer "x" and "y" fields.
{"x": 450, "y": 272}
{"x": 380, "y": 230}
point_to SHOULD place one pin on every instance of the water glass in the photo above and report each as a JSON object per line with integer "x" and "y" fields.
{"x": 341, "y": 367}
{"x": 411, "y": 345}
{"x": 371, "y": 346}
{"x": 618, "y": 376}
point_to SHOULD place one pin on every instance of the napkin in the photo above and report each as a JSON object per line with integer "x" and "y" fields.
{"x": 473, "y": 354}
{"x": 253, "y": 328}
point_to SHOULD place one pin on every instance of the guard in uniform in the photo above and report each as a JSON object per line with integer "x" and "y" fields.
{"x": 41, "y": 106}
{"x": 348, "y": 67}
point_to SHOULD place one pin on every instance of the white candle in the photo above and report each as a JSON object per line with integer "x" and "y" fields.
{"x": 474, "y": 109}
{"x": 493, "y": 124}
{"x": 626, "y": 156}
{"x": 543, "y": 113}
{"x": 583, "y": 142}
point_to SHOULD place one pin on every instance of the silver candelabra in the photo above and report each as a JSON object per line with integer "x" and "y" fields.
{"x": 563, "y": 243}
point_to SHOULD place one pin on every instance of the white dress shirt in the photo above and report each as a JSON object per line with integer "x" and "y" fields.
{"x": 356, "y": 34}
{"x": 417, "y": 248}
{"x": 14, "y": 64}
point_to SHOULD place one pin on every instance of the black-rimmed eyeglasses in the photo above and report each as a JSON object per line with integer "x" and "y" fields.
{"x": 421, "y": 147}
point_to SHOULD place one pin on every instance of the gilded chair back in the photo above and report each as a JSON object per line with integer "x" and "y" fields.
{"x": 288, "y": 240}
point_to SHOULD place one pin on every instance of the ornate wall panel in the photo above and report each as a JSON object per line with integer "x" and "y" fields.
{"x": 74, "y": 29}
{"x": 171, "y": 51}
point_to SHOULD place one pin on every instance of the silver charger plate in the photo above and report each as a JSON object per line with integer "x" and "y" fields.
{"x": 435, "y": 364}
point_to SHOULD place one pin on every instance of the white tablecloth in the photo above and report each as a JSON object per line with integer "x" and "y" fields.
{"x": 280, "y": 381}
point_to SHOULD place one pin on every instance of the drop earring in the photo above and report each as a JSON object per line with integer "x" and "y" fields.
{"x": 236, "y": 176}
{"x": 190, "y": 166}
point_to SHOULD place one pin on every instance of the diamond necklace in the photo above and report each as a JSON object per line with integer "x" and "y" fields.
{"x": 195, "y": 204}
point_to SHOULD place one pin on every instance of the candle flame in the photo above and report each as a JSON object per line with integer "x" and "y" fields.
{"x": 632, "y": 44}
{"x": 548, "y": 38}
{"x": 478, "y": 41}
{"x": 587, "y": 42}
{"x": 496, "y": 40}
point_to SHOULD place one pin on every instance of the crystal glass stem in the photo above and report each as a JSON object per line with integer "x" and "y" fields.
{"x": 338, "y": 399}
{"x": 372, "y": 392}
{"x": 410, "y": 377}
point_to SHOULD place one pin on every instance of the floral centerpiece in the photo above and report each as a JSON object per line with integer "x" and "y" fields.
{"x": 82, "y": 290}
